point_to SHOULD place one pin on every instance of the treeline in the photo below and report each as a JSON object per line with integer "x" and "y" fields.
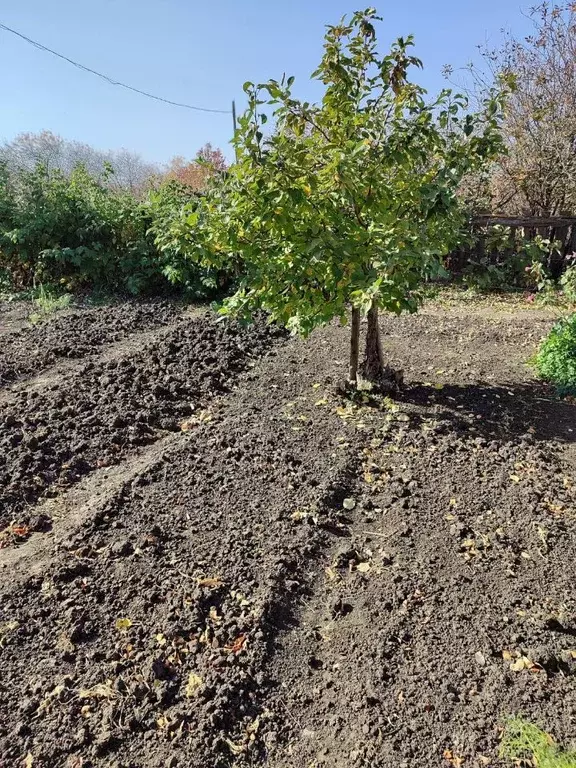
{"x": 83, "y": 218}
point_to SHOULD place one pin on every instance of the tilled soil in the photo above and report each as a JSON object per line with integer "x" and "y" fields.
{"x": 51, "y": 438}
{"x": 73, "y": 335}
{"x": 298, "y": 578}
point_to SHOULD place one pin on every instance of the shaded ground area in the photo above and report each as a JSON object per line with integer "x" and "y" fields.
{"x": 296, "y": 578}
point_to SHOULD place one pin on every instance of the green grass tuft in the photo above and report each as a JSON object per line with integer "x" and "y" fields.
{"x": 526, "y": 743}
{"x": 48, "y": 302}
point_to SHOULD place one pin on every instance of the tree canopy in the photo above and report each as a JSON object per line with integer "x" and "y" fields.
{"x": 350, "y": 201}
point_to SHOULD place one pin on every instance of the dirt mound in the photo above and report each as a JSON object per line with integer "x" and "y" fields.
{"x": 77, "y": 334}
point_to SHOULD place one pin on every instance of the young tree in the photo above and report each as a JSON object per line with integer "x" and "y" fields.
{"x": 348, "y": 202}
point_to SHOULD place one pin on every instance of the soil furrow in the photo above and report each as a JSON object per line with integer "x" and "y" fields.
{"x": 108, "y": 353}
{"x": 107, "y": 410}
{"x": 68, "y": 511}
{"x": 77, "y": 334}
{"x": 204, "y": 554}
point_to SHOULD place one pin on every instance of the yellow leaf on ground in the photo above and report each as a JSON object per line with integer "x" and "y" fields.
{"x": 236, "y": 749}
{"x": 123, "y": 624}
{"x": 210, "y": 582}
{"x": 100, "y": 691}
{"x": 194, "y": 685}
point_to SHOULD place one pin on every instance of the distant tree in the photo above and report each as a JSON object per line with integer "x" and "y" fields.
{"x": 349, "y": 202}
{"x": 537, "y": 173}
{"x": 197, "y": 173}
{"x": 28, "y": 150}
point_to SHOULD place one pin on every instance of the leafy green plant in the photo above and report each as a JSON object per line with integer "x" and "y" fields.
{"x": 348, "y": 202}
{"x": 509, "y": 259}
{"x": 555, "y": 361}
{"x": 48, "y": 301}
{"x": 568, "y": 283}
{"x": 77, "y": 231}
{"x": 171, "y": 204}
{"x": 523, "y": 741}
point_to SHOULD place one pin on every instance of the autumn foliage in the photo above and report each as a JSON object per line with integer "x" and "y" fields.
{"x": 196, "y": 173}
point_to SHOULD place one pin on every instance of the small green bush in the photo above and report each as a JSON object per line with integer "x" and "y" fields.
{"x": 555, "y": 361}
{"x": 509, "y": 260}
{"x": 523, "y": 741}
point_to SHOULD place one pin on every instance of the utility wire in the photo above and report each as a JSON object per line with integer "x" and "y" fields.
{"x": 109, "y": 79}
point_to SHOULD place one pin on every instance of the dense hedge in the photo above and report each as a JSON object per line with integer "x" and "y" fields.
{"x": 81, "y": 232}
{"x": 78, "y": 231}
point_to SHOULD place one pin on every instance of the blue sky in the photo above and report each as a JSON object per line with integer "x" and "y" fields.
{"x": 199, "y": 53}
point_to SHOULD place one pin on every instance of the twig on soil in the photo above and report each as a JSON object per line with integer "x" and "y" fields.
{"x": 381, "y": 535}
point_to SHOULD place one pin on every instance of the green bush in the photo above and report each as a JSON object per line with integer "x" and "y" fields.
{"x": 568, "y": 283}
{"x": 170, "y": 206}
{"x": 78, "y": 232}
{"x": 509, "y": 259}
{"x": 556, "y": 358}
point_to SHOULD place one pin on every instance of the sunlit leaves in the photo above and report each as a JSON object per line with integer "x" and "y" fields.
{"x": 350, "y": 200}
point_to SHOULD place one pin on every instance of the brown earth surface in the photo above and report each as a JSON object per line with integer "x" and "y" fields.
{"x": 212, "y": 559}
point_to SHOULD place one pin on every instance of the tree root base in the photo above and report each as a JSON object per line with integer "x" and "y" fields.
{"x": 387, "y": 381}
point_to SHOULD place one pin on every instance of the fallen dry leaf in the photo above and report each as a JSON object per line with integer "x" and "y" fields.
{"x": 452, "y": 758}
{"x": 100, "y": 691}
{"x": 331, "y": 574}
{"x": 194, "y": 685}
{"x": 237, "y": 645}
{"x": 213, "y": 613}
{"x": 123, "y": 624}
{"x": 236, "y": 749}
{"x": 211, "y": 583}
{"x": 525, "y": 663}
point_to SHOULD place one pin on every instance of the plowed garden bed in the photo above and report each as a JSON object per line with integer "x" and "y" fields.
{"x": 210, "y": 558}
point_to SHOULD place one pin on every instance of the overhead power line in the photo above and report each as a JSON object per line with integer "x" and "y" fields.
{"x": 110, "y": 79}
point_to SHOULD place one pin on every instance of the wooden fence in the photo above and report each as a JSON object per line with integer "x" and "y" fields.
{"x": 559, "y": 228}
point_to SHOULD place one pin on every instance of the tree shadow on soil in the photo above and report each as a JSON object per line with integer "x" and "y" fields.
{"x": 504, "y": 411}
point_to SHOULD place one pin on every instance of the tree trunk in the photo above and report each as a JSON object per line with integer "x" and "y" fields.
{"x": 373, "y": 364}
{"x": 354, "y": 348}
{"x": 383, "y": 377}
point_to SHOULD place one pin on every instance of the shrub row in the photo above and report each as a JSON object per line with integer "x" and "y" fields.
{"x": 78, "y": 231}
